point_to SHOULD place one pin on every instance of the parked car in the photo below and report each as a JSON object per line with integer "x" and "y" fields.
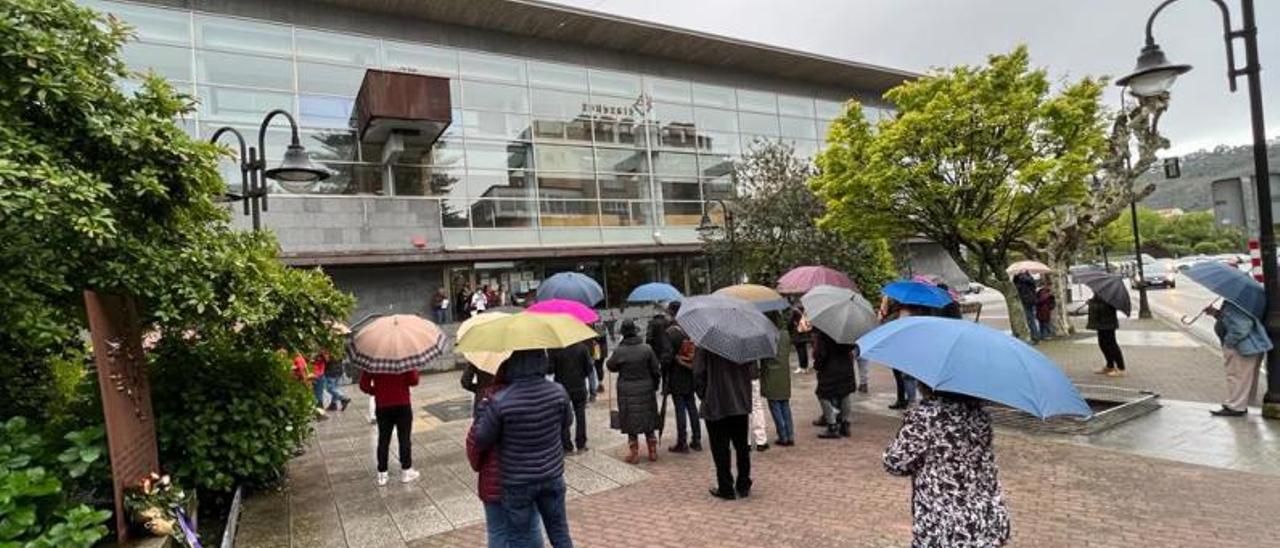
{"x": 1155, "y": 276}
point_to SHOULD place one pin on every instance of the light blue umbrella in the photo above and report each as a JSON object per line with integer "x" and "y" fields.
{"x": 571, "y": 286}
{"x": 1232, "y": 285}
{"x": 970, "y": 358}
{"x": 654, "y": 292}
{"x": 916, "y": 293}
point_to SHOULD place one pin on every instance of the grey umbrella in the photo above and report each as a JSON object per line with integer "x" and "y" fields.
{"x": 730, "y": 327}
{"x": 841, "y": 313}
{"x": 1108, "y": 288}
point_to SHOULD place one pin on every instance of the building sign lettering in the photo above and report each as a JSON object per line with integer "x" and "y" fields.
{"x": 638, "y": 109}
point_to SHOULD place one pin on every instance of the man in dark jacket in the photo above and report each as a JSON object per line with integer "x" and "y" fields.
{"x": 524, "y": 422}
{"x": 677, "y": 380}
{"x": 572, "y": 366}
{"x": 725, "y": 389}
{"x": 1026, "y": 286}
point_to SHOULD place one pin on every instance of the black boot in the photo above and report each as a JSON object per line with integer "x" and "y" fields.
{"x": 844, "y": 429}
{"x": 832, "y": 432}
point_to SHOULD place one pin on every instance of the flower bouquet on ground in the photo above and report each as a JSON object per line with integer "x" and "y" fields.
{"x": 159, "y": 506}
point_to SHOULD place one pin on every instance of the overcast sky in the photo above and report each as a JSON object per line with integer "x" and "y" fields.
{"x": 1070, "y": 38}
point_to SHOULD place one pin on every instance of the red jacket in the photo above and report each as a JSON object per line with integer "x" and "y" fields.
{"x": 485, "y": 462}
{"x": 388, "y": 389}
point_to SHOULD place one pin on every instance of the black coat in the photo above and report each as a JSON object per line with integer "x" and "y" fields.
{"x": 834, "y": 363}
{"x": 793, "y": 328}
{"x": 679, "y": 379}
{"x": 723, "y": 386}
{"x": 572, "y": 366}
{"x": 1102, "y": 316}
{"x": 638, "y": 375}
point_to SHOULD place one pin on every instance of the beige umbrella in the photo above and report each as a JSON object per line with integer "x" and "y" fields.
{"x": 1034, "y": 267}
{"x": 763, "y": 298}
{"x": 395, "y": 344}
{"x": 484, "y": 361}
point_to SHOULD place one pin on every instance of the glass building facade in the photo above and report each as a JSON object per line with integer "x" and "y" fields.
{"x": 533, "y": 145}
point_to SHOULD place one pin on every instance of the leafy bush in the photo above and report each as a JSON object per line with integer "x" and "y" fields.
{"x": 226, "y": 415}
{"x": 38, "y": 505}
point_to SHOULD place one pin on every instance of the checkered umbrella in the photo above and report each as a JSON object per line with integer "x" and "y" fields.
{"x": 395, "y": 344}
{"x": 730, "y": 327}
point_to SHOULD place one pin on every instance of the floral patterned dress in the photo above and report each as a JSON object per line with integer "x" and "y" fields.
{"x": 956, "y": 500}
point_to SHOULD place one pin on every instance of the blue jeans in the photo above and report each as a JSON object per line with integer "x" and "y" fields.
{"x": 498, "y": 527}
{"x": 325, "y": 383}
{"x": 1046, "y": 328}
{"x": 1032, "y": 324}
{"x": 523, "y": 501}
{"x": 781, "y": 411}
{"x": 687, "y": 418}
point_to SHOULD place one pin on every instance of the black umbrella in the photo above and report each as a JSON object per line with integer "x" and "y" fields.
{"x": 1108, "y": 288}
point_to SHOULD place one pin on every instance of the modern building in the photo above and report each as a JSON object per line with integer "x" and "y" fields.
{"x": 558, "y": 139}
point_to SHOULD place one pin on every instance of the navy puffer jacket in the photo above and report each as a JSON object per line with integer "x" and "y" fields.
{"x": 524, "y": 421}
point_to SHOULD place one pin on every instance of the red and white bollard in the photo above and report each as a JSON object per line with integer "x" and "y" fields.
{"x": 1255, "y": 259}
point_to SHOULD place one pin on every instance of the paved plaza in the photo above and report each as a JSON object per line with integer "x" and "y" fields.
{"x": 1174, "y": 477}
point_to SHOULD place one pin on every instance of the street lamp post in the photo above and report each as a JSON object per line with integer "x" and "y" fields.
{"x": 295, "y": 169}
{"x": 1153, "y": 75}
{"x": 706, "y": 227}
{"x": 1144, "y": 305}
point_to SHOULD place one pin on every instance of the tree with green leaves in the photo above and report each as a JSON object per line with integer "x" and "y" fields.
{"x": 1169, "y": 235}
{"x": 775, "y": 225}
{"x": 975, "y": 160}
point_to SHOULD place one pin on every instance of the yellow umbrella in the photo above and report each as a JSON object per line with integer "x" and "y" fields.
{"x": 524, "y": 331}
{"x": 485, "y": 361}
{"x": 764, "y": 298}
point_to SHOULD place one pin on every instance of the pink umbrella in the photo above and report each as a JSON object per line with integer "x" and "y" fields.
{"x": 802, "y": 279}
{"x": 576, "y": 309}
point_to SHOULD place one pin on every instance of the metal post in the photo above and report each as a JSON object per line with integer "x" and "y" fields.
{"x": 1266, "y": 231}
{"x": 1144, "y": 308}
{"x": 257, "y": 189}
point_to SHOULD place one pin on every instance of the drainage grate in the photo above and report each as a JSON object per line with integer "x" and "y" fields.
{"x": 451, "y": 410}
{"x": 1111, "y": 406}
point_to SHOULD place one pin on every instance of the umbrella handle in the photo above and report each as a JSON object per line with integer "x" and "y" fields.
{"x": 1193, "y": 319}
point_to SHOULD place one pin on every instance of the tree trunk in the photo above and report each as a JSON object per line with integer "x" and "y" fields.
{"x": 1017, "y": 317}
{"x": 1061, "y": 288}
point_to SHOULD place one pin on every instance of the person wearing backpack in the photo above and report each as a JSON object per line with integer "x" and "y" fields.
{"x": 676, "y": 358}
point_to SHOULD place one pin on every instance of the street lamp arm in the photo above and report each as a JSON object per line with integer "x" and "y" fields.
{"x": 244, "y": 161}
{"x": 1227, "y": 34}
{"x": 266, "y": 121}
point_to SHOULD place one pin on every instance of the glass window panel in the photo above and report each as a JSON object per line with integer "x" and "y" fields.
{"x": 802, "y": 128}
{"x": 346, "y": 178}
{"x": 715, "y": 119}
{"x": 759, "y": 101}
{"x": 718, "y": 142}
{"x": 675, "y": 163}
{"x": 491, "y": 67}
{"x": 330, "y": 144}
{"x": 829, "y": 109}
{"x": 622, "y": 160}
{"x": 240, "y": 105}
{"x": 619, "y": 186}
{"x": 571, "y": 186}
{"x": 667, "y": 113}
{"x": 558, "y": 76}
{"x": 325, "y": 111}
{"x": 495, "y": 97}
{"x": 762, "y": 124}
{"x": 455, "y": 213}
{"x": 561, "y": 213}
{"x": 500, "y": 184}
{"x": 330, "y": 79}
{"x": 501, "y": 156}
{"x": 447, "y": 183}
{"x": 424, "y": 59}
{"x": 495, "y": 125}
{"x": 411, "y": 180}
{"x": 714, "y": 96}
{"x": 244, "y": 70}
{"x": 332, "y": 47}
{"x": 719, "y": 187}
{"x": 558, "y": 115}
{"x": 681, "y": 213}
{"x": 243, "y": 35}
{"x": 678, "y": 135}
{"x": 824, "y": 126}
{"x": 150, "y": 24}
{"x": 805, "y": 148}
{"x": 622, "y": 131}
{"x": 626, "y": 213}
{"x": 487, "y": 213}
{"x": 790, "y": 105}
{"x": 277, "y": 138}
{"x": 715, "y": 165}
{"x": 607, "y": 82}
{"x": 662, "y": 89}
{"x": 564, "y": 158}
{"x": 170, "y": 62}
{"x": 681, "y": 189}
{"x": 576, "y": 130}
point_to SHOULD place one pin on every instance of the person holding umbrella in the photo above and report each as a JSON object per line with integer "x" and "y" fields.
{"x": 775, "y": 386}
{"x": 1102, "y": 318}
{"x": 1244, "y": 344}
{"x": 638, "y": 378}
{"x": 836, "y": 383}
{"x": 1026, "y": 286}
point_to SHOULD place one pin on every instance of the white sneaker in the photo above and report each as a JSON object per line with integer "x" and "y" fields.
{"x": 382, "y": 479}
{"x": 798, "y": 371}
{"x": 408, "y": 475}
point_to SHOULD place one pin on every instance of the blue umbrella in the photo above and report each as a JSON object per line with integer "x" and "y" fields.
{"x": 571, "y": 286}
{"x": 971, "y": 358}
{"x": 654, "y": 292}
{"x": 1231, "y": 284}
{"x": 916, "y": 293}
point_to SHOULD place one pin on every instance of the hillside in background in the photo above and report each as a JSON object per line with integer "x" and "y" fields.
{"x": 1199, "y": 170}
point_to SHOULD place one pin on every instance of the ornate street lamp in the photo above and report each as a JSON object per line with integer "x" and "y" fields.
{"x": 708, "y": 229}
{"x": 1153, "y": 75}
{"x": 296, "y": 171}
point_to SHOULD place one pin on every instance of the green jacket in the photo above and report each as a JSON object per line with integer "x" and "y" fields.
{"x": 775, "y": 373}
